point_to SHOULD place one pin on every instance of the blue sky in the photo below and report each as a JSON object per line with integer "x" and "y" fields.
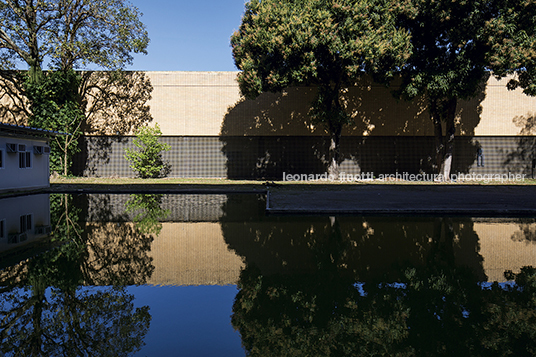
{"x": 188, "y": 35}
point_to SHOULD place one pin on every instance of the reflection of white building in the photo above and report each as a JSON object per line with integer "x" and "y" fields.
{"x": 24, "y": 157}
{"x": 23, "y": 220}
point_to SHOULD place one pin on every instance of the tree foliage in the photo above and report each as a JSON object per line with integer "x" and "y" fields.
{"x": 56, "y": 106}
{"x": 512, "y": 37}
{"x": 443, "y": 50}
{"x": 147, "y": 161}
{"x": 70, "y": 33}
{"x": 327, "y": 44}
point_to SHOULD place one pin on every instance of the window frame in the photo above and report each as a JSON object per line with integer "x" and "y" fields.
{"x": 25, "y": 160}
{"x": 25, "y": 223}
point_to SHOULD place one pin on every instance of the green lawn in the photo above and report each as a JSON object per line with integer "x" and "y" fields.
{"x": 219, "y": 182}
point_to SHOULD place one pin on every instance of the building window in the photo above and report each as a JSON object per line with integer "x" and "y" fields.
{"x": 1, "y": 159}
{"x": 25, "y": 223}
{"x": 25, "y": 160}
{"x": 2, "y": 228}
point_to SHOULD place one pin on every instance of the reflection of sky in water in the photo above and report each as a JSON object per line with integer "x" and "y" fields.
{"x": 189, "y": 320}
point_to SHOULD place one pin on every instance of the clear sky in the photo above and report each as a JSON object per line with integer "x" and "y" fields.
{"x": 188, "y": 35}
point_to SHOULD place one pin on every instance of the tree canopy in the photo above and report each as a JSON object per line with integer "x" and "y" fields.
{"x": 326, "y": 44}
{"x": 66, "y": 34}
{"x": 513, "y": 44}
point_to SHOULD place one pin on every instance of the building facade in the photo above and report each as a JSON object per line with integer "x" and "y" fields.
{"x": 214, "y": 132}
{"x": 24, "y": 158}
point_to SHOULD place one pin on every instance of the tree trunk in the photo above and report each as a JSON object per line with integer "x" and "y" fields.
{"x": 334, "y": 152}
{"x": 328, "y": 110}
{"x": 34, "y": 60}
{"x": 65, "y": 158}
{"x": 438, "y": 133}
{"x": 444, "y": 110}
{"x": 450, "y": 114}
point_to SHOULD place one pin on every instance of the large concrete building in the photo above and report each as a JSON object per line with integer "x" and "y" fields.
{"x": 214, "y": 132}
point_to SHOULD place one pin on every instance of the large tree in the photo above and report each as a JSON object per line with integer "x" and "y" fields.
{"x": 449, "y": 61}
{"x": 327, "y": 44}
{"x": 62, "y": 35}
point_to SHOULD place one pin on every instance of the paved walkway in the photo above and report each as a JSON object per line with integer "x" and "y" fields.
{"x": 407, "y": 199}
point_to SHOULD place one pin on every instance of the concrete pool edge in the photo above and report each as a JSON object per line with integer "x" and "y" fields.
{"x": 511, "y": 200}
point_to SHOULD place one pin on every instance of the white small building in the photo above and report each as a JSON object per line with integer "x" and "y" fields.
{"x": 24, "y": 157}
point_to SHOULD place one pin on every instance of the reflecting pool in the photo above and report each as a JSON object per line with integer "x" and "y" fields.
{"x": 213, "y": 275}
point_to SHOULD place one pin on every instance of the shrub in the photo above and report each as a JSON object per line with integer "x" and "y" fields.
{"x": 147, "y": 160}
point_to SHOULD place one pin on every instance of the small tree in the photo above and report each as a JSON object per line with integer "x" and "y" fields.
{"x": 147, "y": 160}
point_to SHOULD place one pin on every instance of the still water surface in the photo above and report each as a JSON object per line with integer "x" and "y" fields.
{"x": 212, "y": 275}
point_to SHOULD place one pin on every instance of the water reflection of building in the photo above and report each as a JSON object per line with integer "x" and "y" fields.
{"x": 504, "y": 245}
{"x": 208, "y": 239}
{"x": 189, "y": 249}
{"x": 23, "y": 220}
{"x": 193, "y": 254}
{"x": 197, "y": 254}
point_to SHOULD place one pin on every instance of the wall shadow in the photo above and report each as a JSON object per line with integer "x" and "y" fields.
{"x": 94, "y": 153}
{"x": 273, "y": 134}
{"x": 115, "y": 104}
{"x": 522, "y": 158}
{"x": 13, "y": 105}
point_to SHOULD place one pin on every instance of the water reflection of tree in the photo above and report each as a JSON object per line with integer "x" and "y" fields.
{"x": 117, "y": 255}
{"x": 526, "y": 232}
{"x": 148, "y": 212}
{"x": 79, "y": 322}
{"x": 45, "y": 310}
{"x": 437, "y": 308}
{"x": 369, "y": 247}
